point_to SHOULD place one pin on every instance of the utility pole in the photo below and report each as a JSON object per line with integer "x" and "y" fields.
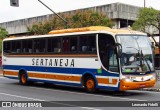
{"x": 144, "y": 3}
{"x": 55, "y": 13}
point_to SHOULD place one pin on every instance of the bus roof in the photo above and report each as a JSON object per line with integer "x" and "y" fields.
{"x": 96, "y": 28}
{"x": 102, "y": 29}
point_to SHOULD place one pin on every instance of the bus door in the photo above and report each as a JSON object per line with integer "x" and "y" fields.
{"x": 109, "y": 59}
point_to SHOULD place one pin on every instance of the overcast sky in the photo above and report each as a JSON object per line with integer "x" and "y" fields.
{"x": 31, "y": 8}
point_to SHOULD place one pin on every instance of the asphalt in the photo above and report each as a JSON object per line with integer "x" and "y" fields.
{"x": 70, "y": 98}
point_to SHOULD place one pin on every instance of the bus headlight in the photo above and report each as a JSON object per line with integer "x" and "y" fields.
{"x": 127, "y": 78}
{"x": 153, "y": 77}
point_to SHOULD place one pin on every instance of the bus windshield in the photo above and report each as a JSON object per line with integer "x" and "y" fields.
{"x": 136, "y": 55}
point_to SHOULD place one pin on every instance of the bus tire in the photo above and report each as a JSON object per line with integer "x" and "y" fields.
{"x": 23, "y": 78}
{"x": 90, "y": 84}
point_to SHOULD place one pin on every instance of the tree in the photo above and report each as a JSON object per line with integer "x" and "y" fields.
{"x": 0, "y": 46}
{"x": 76, "y": 20}
{"x": 148, "y": 19}
{"x": 3, "y": 34}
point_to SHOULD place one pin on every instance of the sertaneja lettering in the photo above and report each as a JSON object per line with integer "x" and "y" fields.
{"x": 41, "y": 63}
{"x": 53, "y": 62}
{"x": 50, "y": 62}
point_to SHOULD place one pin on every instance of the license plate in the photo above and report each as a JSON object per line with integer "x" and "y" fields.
{"x": 142, "y": 85}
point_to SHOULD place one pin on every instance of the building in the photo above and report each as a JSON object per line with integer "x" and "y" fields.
{"x": 121, "y": 14}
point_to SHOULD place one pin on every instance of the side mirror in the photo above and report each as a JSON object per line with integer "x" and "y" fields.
{"x": 119, "y": 51}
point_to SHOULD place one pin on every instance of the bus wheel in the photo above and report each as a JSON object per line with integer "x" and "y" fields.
{"x": 23, "y": 78}
{"x": 90, "y": 84}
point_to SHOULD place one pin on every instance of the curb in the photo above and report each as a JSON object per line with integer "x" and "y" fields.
{"x": 151, "y": 89}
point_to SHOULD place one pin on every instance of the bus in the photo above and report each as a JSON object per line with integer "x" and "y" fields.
{"x": 93, "y": 58}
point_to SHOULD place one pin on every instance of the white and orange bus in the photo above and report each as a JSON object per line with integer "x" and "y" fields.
{"x": 92, "y": 57}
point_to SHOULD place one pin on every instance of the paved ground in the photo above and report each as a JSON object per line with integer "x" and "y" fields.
{"x": 11, "y": 90}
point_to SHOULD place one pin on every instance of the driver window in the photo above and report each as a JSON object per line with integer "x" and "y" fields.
{"x": 113, "y": 64}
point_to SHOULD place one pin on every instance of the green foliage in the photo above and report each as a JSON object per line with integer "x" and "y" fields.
{"x": 3, "y": 33}
{"x": 75, "y": 20}
{"x": 147, "y": 17}
{"x": 0, "y": 45}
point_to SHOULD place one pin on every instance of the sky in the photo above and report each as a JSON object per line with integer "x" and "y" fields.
{"x": 32, "y": 8}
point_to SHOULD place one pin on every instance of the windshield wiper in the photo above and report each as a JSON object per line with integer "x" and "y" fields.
{"x": 145, "y": 60}
{"x": 141, "y": 56}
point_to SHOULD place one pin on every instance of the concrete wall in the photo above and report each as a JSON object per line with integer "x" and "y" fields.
{"x": 119, "y": 11}
{"x": 115, "y": 11}
{"x": 20, "y": 26}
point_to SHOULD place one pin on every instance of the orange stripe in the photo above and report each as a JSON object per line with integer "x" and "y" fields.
{"x": 48, "y": 76}
{"x": 10, "y": 73}
{"x": 61, "y": 77}
{"x": 114, "y": 81}
{"x": 56, "y": 77}
{"x": 103, "y": 80}
{"x": 106, "y": 81}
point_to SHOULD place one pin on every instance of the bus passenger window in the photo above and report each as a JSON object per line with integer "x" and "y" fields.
{"x": 88, "y": 43}
{"x": 16, "y": 45}
{"x": 73, "y": 44}
{"x": 66, "y": 44}
{"x": 6, "y": 47}
{"x": 54, "y": 45}
{"x": 73, "y": 48}
{"x": 39, "y": 45}
{"x": 84, "y": 48}
{"x": 27, "y": 46}
{"x": 70, "y": 44}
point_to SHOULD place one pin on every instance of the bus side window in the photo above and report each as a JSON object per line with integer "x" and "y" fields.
{"x": 88, "y": 43}
{"x": 74, "y": 44}
{"x": 6, "y": 47}
{"x": 39, "y": 45}
{"x": 27, "y": 46}
{"x": 54, "y": 45}
{"x": 66, "y": 44}
{"x": 70, "y": 44}
{"x": 16, "y": 46}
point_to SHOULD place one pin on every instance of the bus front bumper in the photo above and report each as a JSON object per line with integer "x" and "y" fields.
{"x": 124, "y": 85}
